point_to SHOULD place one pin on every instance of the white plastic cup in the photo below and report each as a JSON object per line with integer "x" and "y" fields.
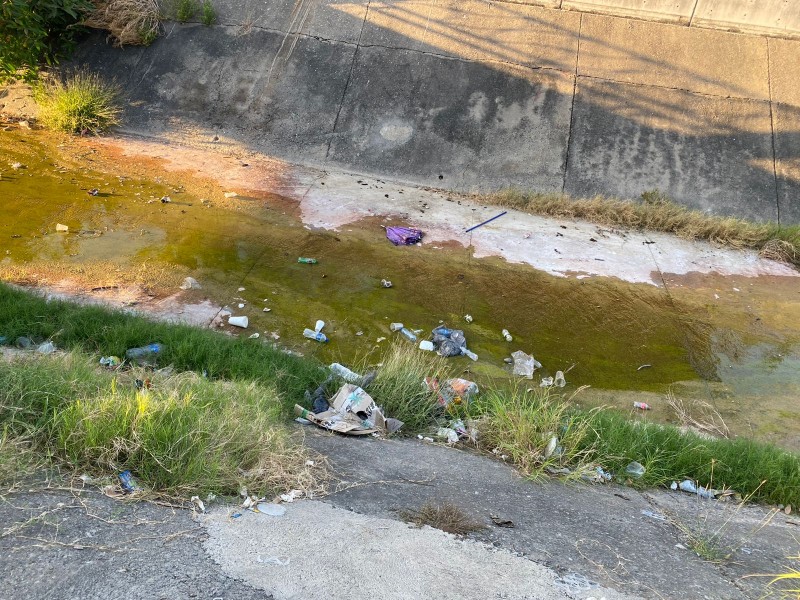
{"x": 426, "y": 345}
{"x": 238, "y": 321}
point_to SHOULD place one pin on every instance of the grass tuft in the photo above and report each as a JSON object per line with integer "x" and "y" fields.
{"x": 82, "y": 103}
{"x": 130, "y": 22}
{"x": 446, "y": 516}
{"x": 655, "y": 212}
{"x": 208, "y": 16}
{"x": 185, "y": 10}
{"x": 399, "y": 387}
{"x": 184, "y": 435}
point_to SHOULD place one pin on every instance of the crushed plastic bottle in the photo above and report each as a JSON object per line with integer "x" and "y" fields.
{"x": 144, "y": 352}
{"x": 635, "y": 469}
{"x": 344, "y": 373}
{"x": 307, "y": 261}
{"x": 468, "y": 353}
{"x": 687, "y": 485}
{"x": 507, "y": 335}
{"x": 315, "y": 335}
{"x": 408, "y": 334}
{"x": 641, "y": 405}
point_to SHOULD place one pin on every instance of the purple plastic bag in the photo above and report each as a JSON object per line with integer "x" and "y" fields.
{"x": 405, "y": 236}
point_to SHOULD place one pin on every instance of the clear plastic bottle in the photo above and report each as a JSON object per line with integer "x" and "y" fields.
{"x": 144, "y": 352}
{"x": 409, "y": 334}
{"x": 314, "y": 335}
{"x": 469, "y": 353}
{"x": 344, "y": 372}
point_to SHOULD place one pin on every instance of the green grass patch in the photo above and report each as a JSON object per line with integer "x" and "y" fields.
{"x": 185, "y": 434}
{"x": 208, "y": 16}
{"x": 185, "y": 10}
{"x": 102, "y": 331}
{"x": 81, "y": 103}
{"x": 656, "y": 212}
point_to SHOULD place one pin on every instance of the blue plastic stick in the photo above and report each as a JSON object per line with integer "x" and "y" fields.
{"x": 487, "y": 221}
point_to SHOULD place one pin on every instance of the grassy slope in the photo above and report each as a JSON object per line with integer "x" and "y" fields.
{"x": 41, "y": 406}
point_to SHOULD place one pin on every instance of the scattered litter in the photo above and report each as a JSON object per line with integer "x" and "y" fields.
{"x": 267, "y": 309}
{"x": 241, "y": 305}
{"x": 93, "y": 192}
{"x": 273, "y": 510}
{"x": 236, "y": 515}
{"x": 142, "y": 384}
{"x": 241, "y": 289}
{"x": 687, "y": 485}
{"x": 309, "y": 463}
{"x": 380, "y": 339}
{"x": 599, "y": 476}
{"x": 559, "y": 380}
{"x": 316, "y": 334}
{"x": 507, "y": 335}
{"x": 453, "y": 391}
{"x": 447, "y": 433}
{"x": 345, "y": 373}
{"x": 127, "y": 482}
{"x": 230, "y": 194}
{"x": 143, "y": 353}
{"x": 546, "y": 382}
{"x": 525, "y": 364}
{"x": 644, "y": 367}
{"x": 427, "y": 439}
{"x": 351, "y": 411}
{"x": 486, "y": 221}
{"x": 274, "y": 560}
{"x": 635, "y": 469}
{"x": 238, "y": 321}
{"x": 508, "y": 360}
{"x": 501, "y": 522}
{"x": 426, "y": 345}
{"x": 395, "y": 326}
{"x": 17, "y": 166}
{"x": 653, "y": 515}
{"x": 62, "y": 228}
{"x": 307, "y": 261}
{"x": 255, "y": 336}
{"x": 165, "y": 199}
{"x": 46, "y": 348}
{"x": 198, "y": 503}
{"x": 190, "y": 283}
{"x": 359, "y": 333}
{"x": 23, "y": 342}
{"x": 468, "y": 318}
{"x": 292, "y": 496}
{"x": 641, "y": 405}
{"x": 449, "y": 342}
{"x": 551, "y": 447}
{"x": 403, "y": 236}
{"x": 408, "y": 334}
{"x": 386, "y": 283}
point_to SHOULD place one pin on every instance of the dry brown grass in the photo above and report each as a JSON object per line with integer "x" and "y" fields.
{"x": 700, "y": 416}
{"x": 655, "y": 212}
{"x": 445, "y": 516}
{"x": 130, "y": 22}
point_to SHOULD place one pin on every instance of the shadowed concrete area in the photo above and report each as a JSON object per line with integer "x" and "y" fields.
{"x": 478, "y": 96}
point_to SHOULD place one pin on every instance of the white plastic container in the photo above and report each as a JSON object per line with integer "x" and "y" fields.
{"x": 238, "y": 321}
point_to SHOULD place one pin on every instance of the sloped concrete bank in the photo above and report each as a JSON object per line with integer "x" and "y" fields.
{"x": 481, "y": 95}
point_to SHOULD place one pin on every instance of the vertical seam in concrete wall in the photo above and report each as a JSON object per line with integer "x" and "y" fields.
{"x": 691, "y": 17}
{"x": 347, "y": 82}
{"x": 572, "y": 106}
{"x": 772, "y": 137}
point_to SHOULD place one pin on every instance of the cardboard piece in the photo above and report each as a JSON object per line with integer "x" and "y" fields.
{"x": 352, "y": 412}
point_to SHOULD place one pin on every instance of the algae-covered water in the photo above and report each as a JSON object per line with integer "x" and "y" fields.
{"x": 599, "y": 330}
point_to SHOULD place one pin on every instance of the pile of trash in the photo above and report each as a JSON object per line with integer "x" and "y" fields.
{"x": 443, "y": 340}
{"x": 28, "y": 343}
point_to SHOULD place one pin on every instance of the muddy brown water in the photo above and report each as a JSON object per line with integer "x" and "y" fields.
{"x": 736, "y": 350}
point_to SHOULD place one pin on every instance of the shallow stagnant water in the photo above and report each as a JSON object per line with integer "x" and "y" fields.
{"x": 600, "y": 330}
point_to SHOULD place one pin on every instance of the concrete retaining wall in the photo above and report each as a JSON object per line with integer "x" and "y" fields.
{"x": 473, "y": 95}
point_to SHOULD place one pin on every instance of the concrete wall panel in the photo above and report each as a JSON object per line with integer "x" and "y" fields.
{"x": 669, "y": 11}
{"x": 775, "y": 17}
{"x": 785, "y": 70}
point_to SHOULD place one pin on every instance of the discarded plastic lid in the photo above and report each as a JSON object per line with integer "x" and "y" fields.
{"x": 426, "y": 345}
{"x": 273, "y": 510}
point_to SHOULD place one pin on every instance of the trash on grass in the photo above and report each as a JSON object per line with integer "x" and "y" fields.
{"x": 453, "y": 391}
{"x": 525, "y": 364}
{"x": 447, "y": 433}
{"x": 128, "y": 483}
{"x": 46, "y": 348}
{"x": 687, "y": 485}
{"x": 316, "y": 334}
{"x": 255, "y": 336}
{"x": 395, "y": 326}
{"x": 641, "y": 405}
{"x": 403, "y": 236}
{"x": 551, "y": 447}
{"x": 190, "y": 283}
{"x": 451, "y": 342}
{"x": 408, "y": 334}
{"x": 635, "y": 469}
{"x": 111, "y": 362}
{"x": 62, "y": 228}
{"x": 507, "y": 335}
{"x": 292, "y": 496}
{"x": 307, "y": 261}
{"x": 351, "y": 411}
{"x": 559, "y": 380}
{"x": 198, "y": 503}
{"x": 230, "y": 194}
{"x": 143, "y": 353}
{"x": 238, "y": 321}
{"x": 345, "y": 373}
{"x": 468, "y": 318}
{"x": 386, "y": 283}
{"x": 426, "y": 345}
{"x": 546, "y": 382}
